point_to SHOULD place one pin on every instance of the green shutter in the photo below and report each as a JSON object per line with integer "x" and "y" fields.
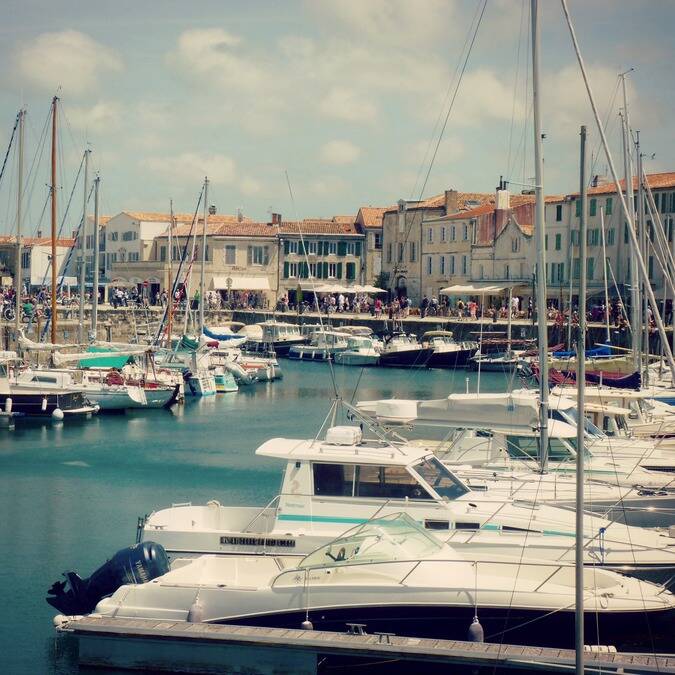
{"x": 249, "y": 255}
{"x": 351, "y": 271}
{"x": 325, "y": 270}
{"x": 578, "y": 207}
{"x": 339, "y": 270}
{"x": 303, "y": 247}
{"x": 608, "y": 206}
{"x": 319, "y": 270}
{"x": 285, "y": 270}
{"x": 266, "y": 255}
{"x": 286, "y": 245}
{"x": 594, "y": 206}
{"x": 358, "y": 249}
{"x": 342, "y": 248}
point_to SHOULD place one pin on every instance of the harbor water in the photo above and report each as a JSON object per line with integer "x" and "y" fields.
{"x": 70, "y": 494}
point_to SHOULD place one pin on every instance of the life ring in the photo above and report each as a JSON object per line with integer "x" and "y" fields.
{"x": 113, "y": 377}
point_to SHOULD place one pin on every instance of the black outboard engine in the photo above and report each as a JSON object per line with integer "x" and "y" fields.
{"x": 133, "y": 565}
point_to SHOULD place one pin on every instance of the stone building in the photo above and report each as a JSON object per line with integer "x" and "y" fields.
{"x": 369, "y": 223}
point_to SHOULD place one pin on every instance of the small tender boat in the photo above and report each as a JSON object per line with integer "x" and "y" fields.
{"x": 324, "y": 345}
{"x": 447, "y": 353}
{"x": 404, "y": 351}
{"x": 394, "y": 576}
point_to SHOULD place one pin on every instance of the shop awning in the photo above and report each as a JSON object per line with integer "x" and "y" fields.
{"x": 479, "y": 288}
{"x": 240, "y": 283}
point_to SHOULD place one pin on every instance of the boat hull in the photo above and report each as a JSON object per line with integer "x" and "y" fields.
{"x": 406, "y": 358}
{"x": 72, "y": 404}
{"x": 459, "y": 358}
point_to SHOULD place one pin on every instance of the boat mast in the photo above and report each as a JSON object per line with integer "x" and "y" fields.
{"x": 18, "y": 281}
{"x": 53, "y": 232}
{"x": 581, "y": 391}
{"x": 642, "y": 231}
{"x": 539, "y": 234}
{"x": 634, "y": 274}
{"x": 604, "y": 273}
{"x": 169, "y": 307}
{"x": 201, "y": 273}
{"x": 82, "y": 249}
{"x": 94, "y": 286}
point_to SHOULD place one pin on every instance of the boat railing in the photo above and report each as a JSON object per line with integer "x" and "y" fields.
{"x": 264, "y": 512}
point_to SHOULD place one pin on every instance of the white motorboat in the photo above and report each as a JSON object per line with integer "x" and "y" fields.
{"x": 390, "y": 574}
{"x": 323, "y": 346}
{"x": 404, "y": 351}
{"x": 341, "y": 480}
{"x": 280, "y": 335}
{"x": 360, "y": 351}
{"x": 447, "y": 352}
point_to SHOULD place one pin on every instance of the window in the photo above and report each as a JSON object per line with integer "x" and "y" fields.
{"x": 558, "y": 241}
{"x": 331, "y": 248}
{"x": 312, "y": 247}
{"x": 515, "y": 244}
{"x": 593, "y": 237}
{"x": 176, "y": 253}
{"x": 558, "y": 212}
{"x": 291, "y": 246}
{"x": 113, "y": 236}
{"x": 431, "y": 235}
{"x": 590, "y": 268}
{"x": 507, "y": 271}
{"x": 377, "y": 241}
{"x": 465, "y": 232}
{"x": 412, "y": 251}
{"x": 452, "y": 264}
{"x": 25, "y": 259}
{"x": 608, "y": 206}
{"x": 332, "y": 270}
{"x": 574, "y": 235}
{"x": 625, "y": 233}
{"x": 578, "y": 208}
{"x": 545, "y": 242}
{"x": 453, "y": 233}
{"x": 464, "y": 264}
{"x": 258, "y": 255}
{"x": 576, "y": 267}
{"x": 429, "y": 265}
{"x": 162, "y": 253}
{"x": 651, "y": 267}
{"x": 400, "y": 252}
{"x": 388, "y": 253}
{"x": 128, "y": 235}
{"x": 664, "y": 202}
{"x": 443, "y": 233}
{"x": 230, "y": 254}
{"x": 290, "y": 270}
{"x": 609, "y": 239}
{"x": 439, "y": 479}
{"x": 89, "y": 241}
{"x": 442, "y": 265}
{"x": 350, "y": 248}
{"x": 350, "y": 271}
{"x": 593, "y": 207}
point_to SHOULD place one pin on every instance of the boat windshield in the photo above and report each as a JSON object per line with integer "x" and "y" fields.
{"x": 393, "y": 537}
{"x": 442, "y": 481}
{"x": 571, "y": 416}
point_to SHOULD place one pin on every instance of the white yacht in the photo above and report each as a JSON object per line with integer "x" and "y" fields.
{"x": 341, "y": 480}
{"x": 447, "y": 352}
{"x": 323, "y": 346}
{"x": 279, "y": 334}
{"x": 404, "y": 351}
{"x": 392, "y": 575}
{"x": 360, "y": 351}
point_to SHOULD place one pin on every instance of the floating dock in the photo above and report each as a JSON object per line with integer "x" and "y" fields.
{"x": 180, "y": 647}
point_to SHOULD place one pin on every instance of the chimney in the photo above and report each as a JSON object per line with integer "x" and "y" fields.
{"x": 451, "y": 202}
{"x": 502, "y": 201}
{"x": 240, "y": 216}
{"x": 276, "y": 219}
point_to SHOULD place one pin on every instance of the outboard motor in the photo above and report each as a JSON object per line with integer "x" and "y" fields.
{"x": 132, "y": 565}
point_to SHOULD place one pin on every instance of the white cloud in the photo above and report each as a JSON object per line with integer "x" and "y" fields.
{"x": 69, "y": 59}
{"x": 249, "y": 186}
{"x": 190, "y": 166}
{"x": 346, "y": 104}
{"x": 339, "y": 153}
{"x": 326, "y": 186}
{"x": 102, "y": 116}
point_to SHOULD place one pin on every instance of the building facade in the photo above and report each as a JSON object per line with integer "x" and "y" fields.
{"x": 369, "y": 223}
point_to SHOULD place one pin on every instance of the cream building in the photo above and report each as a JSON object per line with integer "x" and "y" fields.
{"x": 369, "y": 223}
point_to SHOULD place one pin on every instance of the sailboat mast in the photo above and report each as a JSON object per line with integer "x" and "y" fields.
{"x": 539, "y": 233}
{"x": 82, "y": 249}
{"x": 201, "y": 274}
{"x": 18, "y": 281}
{"x": 642, "y": 231}
{"x": 169, "y": 307}
{"x": 581, "y": 391}
{"x": 634, "y": 272}
{"x": 53, "y": 231}
{"x": 94, "y": 285}
{"x": 604, "y": 273}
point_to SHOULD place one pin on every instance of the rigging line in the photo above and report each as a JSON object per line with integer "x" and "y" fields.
{"x": 445, "y": 100}
{"x": 33, "y": 170}
{"x": 515, "y": 83}
{"x": 313, "y": 282}
{"x": 608, "y": 113}
{"x": 9, "y": 146}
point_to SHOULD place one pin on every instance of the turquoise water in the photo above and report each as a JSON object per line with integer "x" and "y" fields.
{"x": 70, "y": 495}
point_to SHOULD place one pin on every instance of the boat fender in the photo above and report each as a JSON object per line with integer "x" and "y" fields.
{"x": 44, "y": 403}
{"x": 196, "y": 613}
{"x": 476, "y": 632}
{"x": 8, "y": 405}
{"x": 57, "y": 414}
{"x": 307, "y": 625}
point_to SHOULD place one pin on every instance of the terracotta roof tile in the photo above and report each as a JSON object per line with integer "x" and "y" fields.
{"x": 36, "y": 241}
{"x": 371, "y": 216}
{"x": 655, "y": 181}
{"x": 153, "y": 217}
{"x": 317, "y": 226}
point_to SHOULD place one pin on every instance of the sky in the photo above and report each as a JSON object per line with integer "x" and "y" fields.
{"x": 343, "y": 100}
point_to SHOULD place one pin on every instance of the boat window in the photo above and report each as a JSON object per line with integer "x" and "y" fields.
{"x": 334, "y": 480}
{"x": 527, "y": 447}
{"x": 393, "y": 482}
{"x": 442, "y": 481}
{"x": 573, "y": 415}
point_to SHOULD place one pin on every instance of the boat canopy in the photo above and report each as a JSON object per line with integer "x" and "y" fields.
{"x": 465, "y": 411}
{"x": 240, "y": 283}
{"x": 392, "y": 537}
{"x": 437, "y": 333}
